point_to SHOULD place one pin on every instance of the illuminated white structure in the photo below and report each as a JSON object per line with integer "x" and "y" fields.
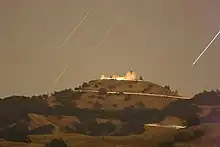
{"x": 131, "y": 76}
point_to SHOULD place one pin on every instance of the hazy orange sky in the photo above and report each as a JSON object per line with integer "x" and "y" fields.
{"x": 159, "y": 39}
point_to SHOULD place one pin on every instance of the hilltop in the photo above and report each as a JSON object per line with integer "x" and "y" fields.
{"x": 128, "y": 86}
{"x": 93, "y": 109}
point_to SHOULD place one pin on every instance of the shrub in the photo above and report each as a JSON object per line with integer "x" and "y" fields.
{"x": 145, "y": 90}
{"x": 101, "y": 98}
{"x": 56, "y": 143}
{"x": 184, "y": 136}
{"x": 192, "y": 120}
{"x": 166, "y": 144}
{"x": 78, "y": 88}
{"x": 127, "y": 98}
{"x": 17, "y": 136}
{"x": 102, "y": 91}
{"x": 130, "y": 86}
{"x": 141, "y": 78}
{"x": 176, "y": 92}
{"x": 120, "y": 93}
{"x": 85, "y": 85}
{"x": 167, "y": 87}
{"x": 45, "y": 96}
{"x": 115, "y": 105}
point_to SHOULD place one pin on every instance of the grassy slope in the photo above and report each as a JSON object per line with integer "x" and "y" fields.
{"x": 108, "y": 101}
{"x": 128, "y": 86}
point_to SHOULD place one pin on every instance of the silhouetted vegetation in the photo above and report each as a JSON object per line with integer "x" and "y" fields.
{"x": 78, "y": 88}
{"x": 167, "y": 87}
{"x": 130, "y": 86}
{"x": 84, "y": 85}
{"x": 192, "y": 120}
{"x": 127, "y": 98}
{"x": 115, "y": 105}
{"x": 67, "y": 94}
{"x": 187, "y": 135}
{"x": 16, "y": 134}
{"x": 141, "y": 78}
{"x": 145, "y": 90}
{"x": 102, "y": 91}
{"x": 120, "y": 93}
{"x": 175, "y": 92}
{"x": 101, "y": 97}
{"x": 166, "y": 144}
{"x": 95, "y": 129}
{"x": 180, "y": 109}
{"x": 207, "y": 98}
{"x": 56, "y": 143}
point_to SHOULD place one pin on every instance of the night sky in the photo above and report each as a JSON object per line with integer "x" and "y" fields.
{"x": 158, "y": 39}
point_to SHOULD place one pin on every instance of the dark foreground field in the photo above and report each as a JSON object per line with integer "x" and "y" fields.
{"x": 202, "y": 136}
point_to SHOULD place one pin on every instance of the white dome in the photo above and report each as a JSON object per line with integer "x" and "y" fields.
{"x": 131, "y": 75}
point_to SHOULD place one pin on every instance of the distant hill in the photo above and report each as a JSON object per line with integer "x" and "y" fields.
{"x": 104, "y": 114}
{"x": 128, "y": 86}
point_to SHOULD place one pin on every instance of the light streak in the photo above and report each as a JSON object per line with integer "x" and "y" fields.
{"x": 74, "y": 30}
{"x": 206, "y": 48}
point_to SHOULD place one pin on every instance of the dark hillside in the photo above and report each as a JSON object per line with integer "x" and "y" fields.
{"x": 105, "y": 114}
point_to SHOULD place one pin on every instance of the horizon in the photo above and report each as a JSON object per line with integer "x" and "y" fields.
{"x": 73, "y": 88}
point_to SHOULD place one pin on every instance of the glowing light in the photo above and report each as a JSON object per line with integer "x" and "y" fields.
{"x": 74, "y": 30}
{"x": 129, "y": 76}
{"x": 206, "y": 48}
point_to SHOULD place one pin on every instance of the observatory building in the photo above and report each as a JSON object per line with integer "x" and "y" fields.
{"x": 130, "y": 76}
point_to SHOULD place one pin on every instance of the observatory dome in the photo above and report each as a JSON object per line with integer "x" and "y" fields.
{"x": 131, "y": 75}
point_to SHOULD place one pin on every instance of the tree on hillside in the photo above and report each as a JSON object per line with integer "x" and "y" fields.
{"x": 56, "y": 143}
{"x": 85, "y": 85}
{"x": 141, "y": 78}
{"x": 145, "y": 90}
{"x": 45, "y": 96}
{"x": 13, "y": 134}
{"x": 102, "y": 91}
{"x": 188, "y": 135}
{"x": 127, "y": 98}
{"x": 176, "y": 92}
{"x": 115, "y": 105}
{"x": 192, "y": 120}
{"x": 167, "y": 87}
{"x": 207, "y": 98}
{"x": 78, "y": 88}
